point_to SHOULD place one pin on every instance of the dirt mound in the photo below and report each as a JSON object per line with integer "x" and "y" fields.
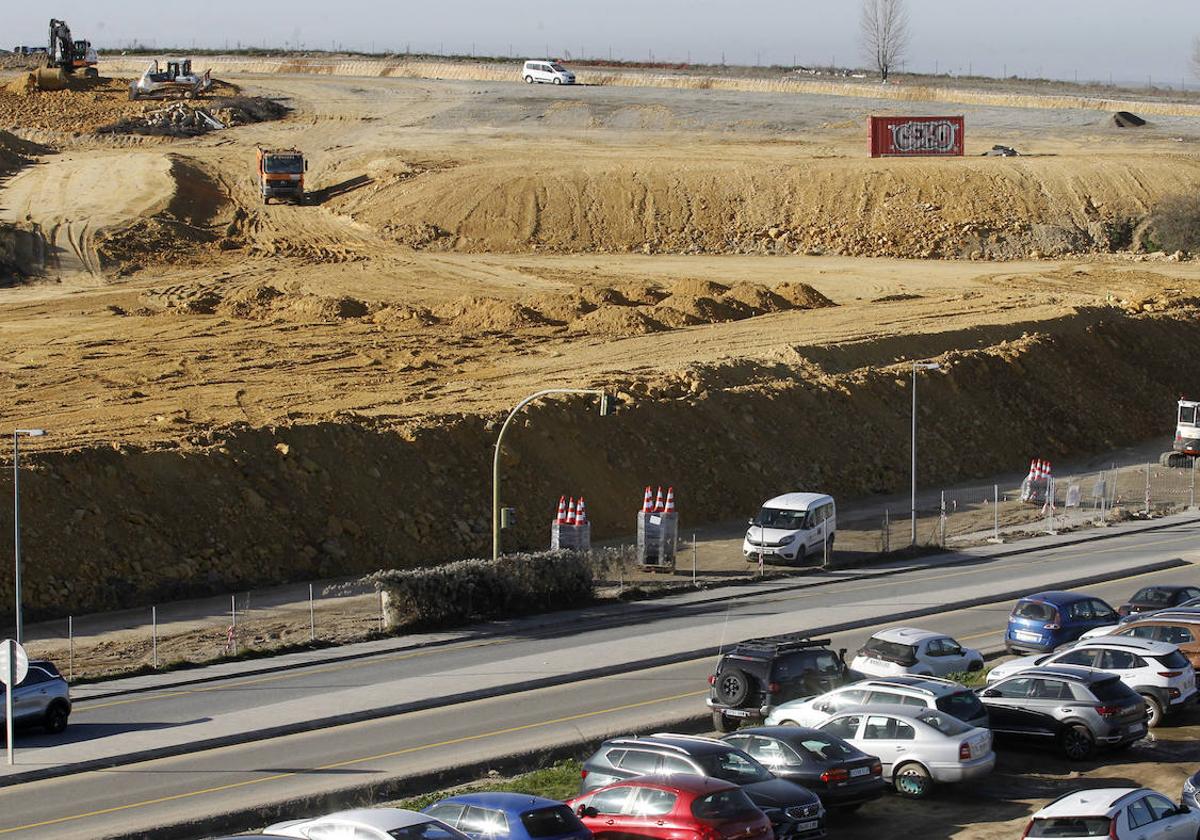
{"x": 706, "y": 309}
{"x": 81, "y": 108}
{"x": 15, "y": 152}
{"x": 253, "y": 302}
{"x": 1047, "y": 206}
{"x": 484, "y": 314}
{"x": 617, "y": 322}
{"x": 561, "y": 307}
{"x": 802, "y": 296}
{"x": 758, "y": 298}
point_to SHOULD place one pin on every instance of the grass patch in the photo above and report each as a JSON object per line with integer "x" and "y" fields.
{"x": 971, "y": 679}
{"x": 559, "y": 781}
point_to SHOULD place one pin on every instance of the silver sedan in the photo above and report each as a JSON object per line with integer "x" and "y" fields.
{"x": 917, "y": 747}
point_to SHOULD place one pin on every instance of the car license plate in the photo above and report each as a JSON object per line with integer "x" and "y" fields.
{"x": 737, "y": 713}
{"x": 1026, "y": 636}
{"x": 808, "y": 825}
{"x": 859, "y": 771}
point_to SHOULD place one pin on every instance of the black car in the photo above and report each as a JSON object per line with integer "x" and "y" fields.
{"x": 1159, "y": 597}
{"x": 758, "y": 674}
{"x": 1075, "y": 709}
{"x": 795, "y": 812}
{"x": 842, "y": 775}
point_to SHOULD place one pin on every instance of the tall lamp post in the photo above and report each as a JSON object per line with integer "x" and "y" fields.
{"x": 913, "y": 509}
{"x": 500, "y": 440}
{"x": 17, "y": 435}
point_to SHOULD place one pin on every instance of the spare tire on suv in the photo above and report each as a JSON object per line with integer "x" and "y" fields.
{"x": 758, "y": 674}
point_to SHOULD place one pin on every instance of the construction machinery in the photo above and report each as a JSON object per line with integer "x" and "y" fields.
{"x": 1186, "y": 446}
{"x": 281, "y": 174}
{"x": 64, "y": 57}
{"x": 176, "y": 81}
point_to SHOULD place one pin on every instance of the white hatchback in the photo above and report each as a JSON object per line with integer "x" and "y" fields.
{"x": 546, "y": 73}
{"x": 1119, "y": 813}
{"x": 917, "y": 747}
{"x": 907, "y": 650}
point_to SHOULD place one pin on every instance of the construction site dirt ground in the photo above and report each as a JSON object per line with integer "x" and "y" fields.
{"x": 468, "y": 243}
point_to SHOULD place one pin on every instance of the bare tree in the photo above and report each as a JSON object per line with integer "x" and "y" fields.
{"x": 884, "y": 27}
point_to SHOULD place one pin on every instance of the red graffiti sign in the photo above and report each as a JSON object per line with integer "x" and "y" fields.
{"x": 916, "y": 136}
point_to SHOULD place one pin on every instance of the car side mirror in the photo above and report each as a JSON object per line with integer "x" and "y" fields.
{"x": 586, "y": 811}
{"x": 842, "y": 655}
{"x": 990, "y": 692}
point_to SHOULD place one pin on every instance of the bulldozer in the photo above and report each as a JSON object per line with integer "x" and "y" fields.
{"x": 64, "y": 58}
{"x": 176, "y": 81}
{"x": 1186, "y": 447}
{"x": 281, "y": 174}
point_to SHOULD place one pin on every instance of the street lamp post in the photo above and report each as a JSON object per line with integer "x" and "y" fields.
{"x": 17, "y": 434}
{"x": 913, "y": 508}
{"x": 500, "y": 440}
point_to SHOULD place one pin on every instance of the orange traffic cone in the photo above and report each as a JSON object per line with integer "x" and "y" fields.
{"x": 581, "y": 513}
{"x": 570, "y": 520}
{"x": 648, "y": 502}
{"x": 670, "y": 508}
{"x": 658, "y": 502}
{"x": 562, "y": 510}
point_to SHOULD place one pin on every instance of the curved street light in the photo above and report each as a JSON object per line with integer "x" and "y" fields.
{"x": 500, "y": 439}
{"x": 17, "y": 435}
{"x": 913, "y": 510}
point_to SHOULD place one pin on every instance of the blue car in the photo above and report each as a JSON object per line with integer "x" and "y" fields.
{"x": 1040, "y": 623}
{"x": 509, "y": 816}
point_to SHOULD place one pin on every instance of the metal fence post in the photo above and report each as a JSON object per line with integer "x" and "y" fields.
{"x": 1147, "y": 488}
{"x": 312, "y": 619}
{"x": 71, "y": 646}
{"x": 154, "y": 635}
{"x": 694, "y": 552}
{"x": 996, "y": 512}
{"x": 1192, "y": 494}
{"x": 233, "y": 645}
{"x": 886, "y": 542}
{"x": 942, "y": 521}
{"x": 381, "y": 621}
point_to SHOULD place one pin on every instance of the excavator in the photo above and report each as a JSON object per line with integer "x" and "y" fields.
{"x": 1186, "y": 447}
{"x": 64, "y": 57}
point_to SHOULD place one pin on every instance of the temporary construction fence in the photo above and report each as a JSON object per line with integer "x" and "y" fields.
{"x": 967, "y": 515}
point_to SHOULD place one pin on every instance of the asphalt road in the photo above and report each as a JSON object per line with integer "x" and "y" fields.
{"x": 134, "y": 798}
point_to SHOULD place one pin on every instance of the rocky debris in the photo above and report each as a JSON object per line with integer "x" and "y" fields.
{"x": 178, "y": 119}
{"x": 1000, "y": 151}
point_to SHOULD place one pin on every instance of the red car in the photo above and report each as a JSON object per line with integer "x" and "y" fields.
{"x": 675, "y": 807}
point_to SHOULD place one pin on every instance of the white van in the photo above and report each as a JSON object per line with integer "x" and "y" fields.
{"x": 547, "y": 72}
{"x": 794, "y": 526}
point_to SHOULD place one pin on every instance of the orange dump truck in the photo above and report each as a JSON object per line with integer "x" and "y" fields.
{"x": 281, "y": 174}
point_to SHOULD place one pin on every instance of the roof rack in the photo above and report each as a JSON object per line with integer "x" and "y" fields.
{"x": 637, "y": 740}
{"x": 702, "y": 739}
{"x": 778, "y": 644}
{"x": 1069, "y": 672}
{"x": 892, "y": 681}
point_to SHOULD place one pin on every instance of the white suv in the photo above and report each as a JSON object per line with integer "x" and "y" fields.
{"x": 916, "y": 692}
{"x": 906, "y": 650}
{"x": 547, "y": 72}
{"x": 1119, "y": 813}
{"x": 1156, "y": 670}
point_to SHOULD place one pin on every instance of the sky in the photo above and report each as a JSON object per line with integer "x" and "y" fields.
{"x": 1138, "y": 42}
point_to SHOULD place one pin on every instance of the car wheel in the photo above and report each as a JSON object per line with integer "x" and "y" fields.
{"x": 912, "y": 780}
{"x": 732, "y": 687}
{"x": 1155, "y": 709}
{"x": 56, "y": 718}
{"x": 1077, "y": 742}
{"x": 721, "y": 723}
{"x": 557, "y": 80}
{"x": 529, "y": 80}
{"x": 976, "y": 665}
{"x": 787, "y": 723}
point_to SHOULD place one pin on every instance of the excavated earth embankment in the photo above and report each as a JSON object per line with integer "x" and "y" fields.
{"x": 113, "y": 527}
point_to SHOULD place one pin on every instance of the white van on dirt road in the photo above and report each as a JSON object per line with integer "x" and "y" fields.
{"x": 795, "y": 527}
{"x": 547, "y": 73}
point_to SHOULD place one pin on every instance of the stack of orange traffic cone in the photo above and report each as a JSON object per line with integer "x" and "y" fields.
{"x": 670, "y": 506}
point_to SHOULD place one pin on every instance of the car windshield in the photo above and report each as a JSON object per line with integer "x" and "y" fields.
{"x": 284, "y": 165}
{"x": 943, "y": 722}
{"x": 1153, "y": 595}
{"x": 1033, "y": 610}
{"x": 964, "y": 705}
{"x": 734, "y": 767}
{"x": 725, "y": 805}
{"x": 1069, "y": 827}
{"x": 558, "y": 68}
{"x": 1174, "y": 659}
{"x": 826, "y": 749}
{"x": 785, "y": 520}
{"x": 426, "y": 831}
{"x": 551, "y": 822}
{"x": 891, "y": 651}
